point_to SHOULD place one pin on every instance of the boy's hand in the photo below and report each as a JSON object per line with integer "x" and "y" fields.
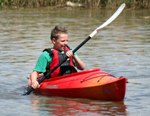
{"x": 35, "y": 84}
{"x": 69, "y": 53}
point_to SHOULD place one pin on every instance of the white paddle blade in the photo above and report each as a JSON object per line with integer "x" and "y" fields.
{"x": 113, "y": 17}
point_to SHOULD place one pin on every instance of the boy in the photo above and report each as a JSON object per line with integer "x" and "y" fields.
{"x": 51, "y": 57}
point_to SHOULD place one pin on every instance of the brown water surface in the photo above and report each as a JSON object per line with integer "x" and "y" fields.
{"x": 122, "y": 48}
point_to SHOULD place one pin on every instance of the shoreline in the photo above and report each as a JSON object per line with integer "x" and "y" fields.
{"x": 95, "y": 4}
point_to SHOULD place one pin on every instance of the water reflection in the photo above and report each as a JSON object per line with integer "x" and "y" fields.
{"x": 78, "y": 107}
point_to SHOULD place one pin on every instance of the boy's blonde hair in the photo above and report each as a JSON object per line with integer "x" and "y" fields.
{"x": 56, "y": 31}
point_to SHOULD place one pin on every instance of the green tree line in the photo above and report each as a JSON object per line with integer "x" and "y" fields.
{"x": 84, "y": 3}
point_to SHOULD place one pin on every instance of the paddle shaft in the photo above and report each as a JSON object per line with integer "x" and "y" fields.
{"x": 47, "y": 74}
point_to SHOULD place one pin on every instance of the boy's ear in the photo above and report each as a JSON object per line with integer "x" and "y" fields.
{"x": 53, "y": 40}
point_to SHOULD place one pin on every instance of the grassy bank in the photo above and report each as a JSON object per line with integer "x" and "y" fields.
{"x": 84, "y": 3}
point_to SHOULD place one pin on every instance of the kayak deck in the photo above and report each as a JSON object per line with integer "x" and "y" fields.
{"x": 91, "y": 84}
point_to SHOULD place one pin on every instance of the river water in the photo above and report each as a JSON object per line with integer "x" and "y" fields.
{"x": 122, "y": 49}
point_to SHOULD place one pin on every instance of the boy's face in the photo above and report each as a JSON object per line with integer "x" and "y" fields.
{"x": 61, "y": 42}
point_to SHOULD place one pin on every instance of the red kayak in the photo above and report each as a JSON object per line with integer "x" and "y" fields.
{"x": 92, "y": 84}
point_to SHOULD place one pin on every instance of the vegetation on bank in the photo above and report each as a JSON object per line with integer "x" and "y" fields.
{"x": 75, "y": 3}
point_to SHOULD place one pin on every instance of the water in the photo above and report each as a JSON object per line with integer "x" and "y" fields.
{"x": 122, "y": 48}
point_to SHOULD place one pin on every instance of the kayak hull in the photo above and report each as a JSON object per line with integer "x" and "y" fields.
{"x": 91, "y": 84}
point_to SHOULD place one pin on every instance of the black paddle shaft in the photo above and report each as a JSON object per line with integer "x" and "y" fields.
{"x": 47, "y": 74}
